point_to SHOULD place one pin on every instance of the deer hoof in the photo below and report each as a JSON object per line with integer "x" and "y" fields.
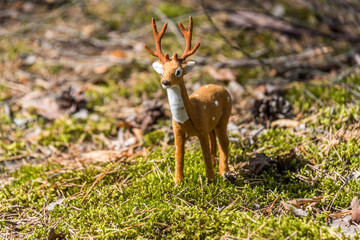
{"x": 229, "y": 176}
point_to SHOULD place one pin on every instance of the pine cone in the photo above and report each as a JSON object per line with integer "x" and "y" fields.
{"x": 150, "y": 113}
{"x": 71, "y": 97}
{"x": 271, "y": 108}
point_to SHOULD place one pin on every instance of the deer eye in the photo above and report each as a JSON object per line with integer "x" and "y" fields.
{"x": 178, "y": 72}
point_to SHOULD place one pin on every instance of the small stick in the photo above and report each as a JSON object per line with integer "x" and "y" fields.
{"x": 105, "y": 173}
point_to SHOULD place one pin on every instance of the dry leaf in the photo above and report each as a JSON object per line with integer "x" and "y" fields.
{"x": 223, "y": 74}
{"x": 101, "y": 69}
{"x": 300, "y": 205}
{"x": 23, "y": 76}
{"x": 118, "y": 53}
{"x": 32, "y": 134}
{"x": 71, "y": 100}
{"x": 285, "y": 123}
{"x": 102, "y": 156}
{"x": 306, "y": 201}
{"x": 87, "y": 30}
{"x": 296, "y": 211}
{"x": 256, "y": 164}
{"x": 339, "y": 214}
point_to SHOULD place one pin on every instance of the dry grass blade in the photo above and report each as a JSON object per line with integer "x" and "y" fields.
{"x": 106, "y": 172}
{"x": 339, "y": 214}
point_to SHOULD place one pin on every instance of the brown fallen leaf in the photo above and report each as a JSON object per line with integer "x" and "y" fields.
{"x": 88, "y": 30}
{"x": 43, "y": 105}
{"x": 306, "y": 201}
{"x": 298, "y": 212}
{"x": 118, "y": 53}
{"x": 339, "y": 214}
{"x": 101, "y": 69}
{"x": 255, "y": 164}
{"x": 69, "y": 100}
{"x": 223, "y": 74}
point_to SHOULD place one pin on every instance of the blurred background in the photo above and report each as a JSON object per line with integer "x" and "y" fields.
{"x": 75, "y": 74}
{"x": 78, "y": 95}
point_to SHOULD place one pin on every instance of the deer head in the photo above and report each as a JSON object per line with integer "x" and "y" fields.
{"x": 172, "y": 70}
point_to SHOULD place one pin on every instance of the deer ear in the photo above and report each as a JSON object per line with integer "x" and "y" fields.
{"x": 158, "y": 67}
{"x": 188, "y": 66}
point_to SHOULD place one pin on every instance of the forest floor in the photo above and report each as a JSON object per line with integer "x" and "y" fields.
{"x": 86, "y": 144}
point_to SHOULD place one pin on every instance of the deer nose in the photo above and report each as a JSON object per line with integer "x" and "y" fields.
{"x": 165, "y": 82}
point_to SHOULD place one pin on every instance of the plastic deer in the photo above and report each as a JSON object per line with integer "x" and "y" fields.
{"x": 204, "y": 114}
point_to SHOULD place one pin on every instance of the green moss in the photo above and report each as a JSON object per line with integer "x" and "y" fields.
{"x": 173, "y": 9}
{"x": 55, "y": 69}
{"x": 154, "y": 137}
{"x": 146, "y": 87}
{"x": 70, "y": 130}
{"x": 13, "y": 48}
{"x": 149, "y": 205}
{"x": 12, "y": 149}
{"x": 138, "y": 197}
{"x": 4, "y": 93}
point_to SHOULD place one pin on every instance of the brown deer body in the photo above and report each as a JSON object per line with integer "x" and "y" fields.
{"x": 204, "y": 114}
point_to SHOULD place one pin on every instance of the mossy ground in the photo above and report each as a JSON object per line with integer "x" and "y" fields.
{"x": 132, "y": 195}
{"x": 137, "y": 198}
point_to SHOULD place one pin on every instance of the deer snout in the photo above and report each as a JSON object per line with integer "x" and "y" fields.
{"x": 165, "y": 83}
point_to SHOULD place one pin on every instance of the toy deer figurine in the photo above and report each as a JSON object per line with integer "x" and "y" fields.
{"x": 204, "y": 114}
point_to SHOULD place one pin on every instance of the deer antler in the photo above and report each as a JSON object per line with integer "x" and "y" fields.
{"x": 158, "y": 37}
{"x": 187, "y": 34}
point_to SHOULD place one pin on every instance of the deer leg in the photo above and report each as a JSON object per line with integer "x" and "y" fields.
{"x": 221, "y": 133}
{"x": 212, "y": 138}
{"x": 179, "y": 156}
{"x": 205, "y": 147}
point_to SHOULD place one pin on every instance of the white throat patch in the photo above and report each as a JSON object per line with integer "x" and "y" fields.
{"x": 177, "y": 106}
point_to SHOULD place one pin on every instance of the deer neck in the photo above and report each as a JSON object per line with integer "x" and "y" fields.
{"x": 180, "y": 105}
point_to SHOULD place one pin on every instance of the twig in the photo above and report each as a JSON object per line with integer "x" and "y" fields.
{"x": 231, "y": 204}
{"x": 312, "y": 96}
{"x": 333, "y": 200}
{"x": 184, "y": 201}
{"x": 136, "y": 225}
{"x": 228, "y": 41}
{"x": 293, "y": 234}
{"x": 14, "y": 86}
{"x": 182, "y": 191}
{"x": 101, "y": 177}
{"x": 172, "y": 26}
{"x": 269, "y": 210}
{"x": 253, "y": 233}
{"x": 217, "y": 195}
{"x": 4, "y": 159}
